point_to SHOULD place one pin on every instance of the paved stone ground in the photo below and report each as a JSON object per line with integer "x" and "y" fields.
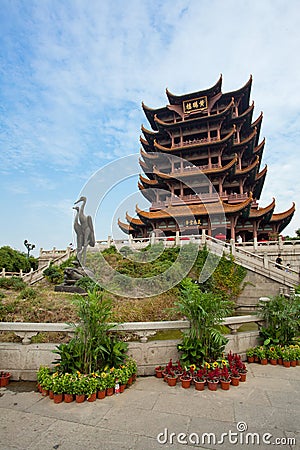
{"x": 269, "y": 402}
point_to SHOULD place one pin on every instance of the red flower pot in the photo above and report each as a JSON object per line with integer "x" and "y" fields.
{"x": 273, "y": 362}
{"x": 45, "y": 392}
{"x": 68, "y": 398}
{"x": 293, "y": 363}
{"x": 51, "y": 395}
{"x": 287, "y": 363}
{"x": 212, "y": 385}
{"x": 159, "y": 373}
{"x": 101, "y": 394}
{"x": 186, "y": 383}
{"x": 122, "y": 388}
{"x": 80, "y": 398}
{"x": 109, "y": 391}
{"x": 92, "y": 397}
{"x": 250, "y": 359}
{"x": 199, "y": 385}
{"x": 58, "y": 398}
{"x": 243, "y": 377}
{"x": 235, "y": 381}
{"x": 225, "y": 385}
{"x": 4, "y": 379}
{"x": 264, "y": 361}
{"x": 172, "y": 381}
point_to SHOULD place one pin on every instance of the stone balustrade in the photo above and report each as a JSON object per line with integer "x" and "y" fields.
{"x": 143, "y": 330}
{"x": 23, "y": 361}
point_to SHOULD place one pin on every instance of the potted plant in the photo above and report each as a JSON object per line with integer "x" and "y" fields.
{"x": 186, "y": 379}
{"x": 67, "y": 382}
{"x": 44, "y": 377}
{"x": 122, "y": 375}
{"x": 261, "y": 353}
{"x": 286, "y": 357}
{"x": 4, "y": 378}
{"x": 272, "y": 355}
{"x": 200, "y": 379}
{"x": 213, "y": 378}
{"x": 79, "y": 387}
{"x": 91, "y": 387}
{"x": 159, "y": 371}
{"x": 57, "y": 387}
{"x": 225, "y": 378}
{"x": 293, "y": 356}
{"x": 101, "y": 385}
{"x": 110, "y": 383}
{"x": 250, "y": 355}
{"x": 235, "y": 376}
{"x": 172, "y": 378}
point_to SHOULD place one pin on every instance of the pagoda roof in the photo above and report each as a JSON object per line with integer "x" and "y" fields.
{"x": 147, "y": 192}
{"x": 195, "y": 171}
{"x": 151, "y": 112}
{"x": 262, "y": 212}
{"x": 257, "y": 124}
{"x": 249, "y": 168}
{"x": 145, "y": 144}
{"x": 259, "y": 182}
{"x": 284, "y": 215}
{"x": 147, "y": 182}
{"x": 246, "y": 116}
{"x": 125, "y": 227}
{"x": 161, "y": 124}
{"x": 178, "y": 99}
{"x": 260, "y": 148}
{"x": 196, "y": 210}
{"x": 149, "y": 134}
{"x": 243, "y": 93}
{"x": 249, "y": 141}
{"x": 133, "y": 221}
{"x": 217, "y": 143}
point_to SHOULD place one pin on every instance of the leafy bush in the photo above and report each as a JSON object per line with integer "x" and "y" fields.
{"x": 205, "y": 311}
{"x": 87, "y": 284}
{"x": 14, "y": 261}
{"x": 282, "y": 319}
{"x": 54, "y": 274}
{"x": 93, "y": 347}
{"x": 14, "y": 283}
{"x": 27, "y": 293}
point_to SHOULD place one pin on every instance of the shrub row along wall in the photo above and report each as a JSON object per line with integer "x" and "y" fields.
{"x": 23, "y": 361}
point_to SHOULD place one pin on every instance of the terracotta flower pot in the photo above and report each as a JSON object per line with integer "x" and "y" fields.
{"x": 58, "y": 398}
{"x": 264, "y": 361}
{"x": 101, "y": 394}
{"x": 298, "y": 362}
{"x": 280, "y": 361}
{"x": 293, "y": 363}
{"x": 158, "y": 373}
{"x": 225, "y": 385}
{"x": 68, "y": 398}
{"x": 199, "y": 385}
{"x": 186, "y": 383}
{"x": 212, "y": 385}
{"x": 287, "y": 363}
{"x": 130, "y": 381}
{"x": 235, "y": 381}
{"x": 172, "y": 381}
{"x": 51, "y": 395}
{"x": 273, "y": 362}
{"x": 4, "y": 379}
{"x": 109, "y": 391}
{"x": 45, "y": 392}
{"x": 80, "y": 398}
{"x": 92, "y": 397}
{"x": 250, "y": 359}
{"x": 243, "y": 377}
{"x": 122, "y": 388}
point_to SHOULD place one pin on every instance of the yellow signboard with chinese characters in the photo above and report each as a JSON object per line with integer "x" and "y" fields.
{"x": 196, "y": 104}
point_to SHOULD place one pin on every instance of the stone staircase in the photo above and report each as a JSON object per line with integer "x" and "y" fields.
{"x": 253, "y": 262}
{"x": 37, "y": 275}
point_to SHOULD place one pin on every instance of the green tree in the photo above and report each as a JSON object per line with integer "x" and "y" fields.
{"x": 14, "y": 261}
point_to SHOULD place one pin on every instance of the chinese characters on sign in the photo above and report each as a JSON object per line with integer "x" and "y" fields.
{"x": 197, "y": 104}
{"x": 192, "y": 222}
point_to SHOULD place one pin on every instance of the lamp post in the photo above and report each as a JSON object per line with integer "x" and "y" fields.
{"x": 29, "y": 247}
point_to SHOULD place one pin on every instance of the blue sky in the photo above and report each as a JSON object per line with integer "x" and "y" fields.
{"x": 74, "y": 74}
